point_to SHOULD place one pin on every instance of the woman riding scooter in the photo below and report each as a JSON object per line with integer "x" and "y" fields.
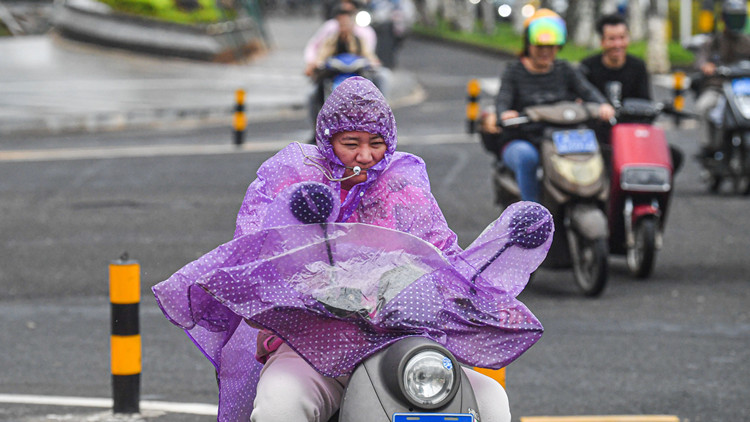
{"x": 538, "y": 78}
{"x": 355, "y": 157}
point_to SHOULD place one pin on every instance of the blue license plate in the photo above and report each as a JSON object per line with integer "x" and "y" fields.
{"x": 432, "y": 417}
{"x": 575, "y": 141}
{"x": 741, "y": 86}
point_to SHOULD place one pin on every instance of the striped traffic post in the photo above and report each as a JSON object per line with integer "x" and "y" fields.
{"x": 496, "y": 374}
{"x": 240, "y": 120}
{"x": 706, "y": 18}
{"x": 125, "y": 340}
{"x": 678, "y": 89}
{"x": 473, "y": 88}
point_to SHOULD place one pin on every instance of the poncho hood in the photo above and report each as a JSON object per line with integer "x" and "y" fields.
{"x": 356, "y": 105}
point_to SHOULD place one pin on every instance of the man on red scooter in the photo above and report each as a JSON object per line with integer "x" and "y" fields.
{"x": 613, "y": 71}
{"x": 613, "y": 64}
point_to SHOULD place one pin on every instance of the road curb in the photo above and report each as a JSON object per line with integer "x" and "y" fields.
{"x": 96, "y": 23}
{"x": 166, "y": 118}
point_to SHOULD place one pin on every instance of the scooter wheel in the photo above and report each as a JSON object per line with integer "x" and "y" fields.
{"x": 714, "y": 183}
{"x": 591, "y": 268}
{"x": 742, "y": 185}
{"x": 642, "y": 255}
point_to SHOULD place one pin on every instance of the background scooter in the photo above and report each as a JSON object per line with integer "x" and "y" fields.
{"x": 641, "y": 184}
{"x": 327, "y": 77}
{"x": 732, "y": 160}
{"x": 574, "y": 189}
{"x": 338, "y": 68}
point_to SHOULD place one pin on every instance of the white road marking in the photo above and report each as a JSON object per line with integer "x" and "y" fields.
{"x": 458, "y": 167}
{"x": 171, "y": 407}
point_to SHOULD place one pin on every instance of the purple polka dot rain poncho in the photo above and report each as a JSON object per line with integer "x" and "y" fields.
{"x": 337, "y": 291}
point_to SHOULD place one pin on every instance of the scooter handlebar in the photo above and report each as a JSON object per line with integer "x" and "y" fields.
{"x": 669, "y": 109}
{"x": 515, "y": 121}
{"x": 562, "y": 113}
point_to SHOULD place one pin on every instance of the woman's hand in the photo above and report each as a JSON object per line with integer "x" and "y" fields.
{"x": 708, "y": 68}
{"x": 488, "y": 123}
{"x": 310, "y": 68}
{"x": 508, "y": 114}
{"x": 606, "y": 112}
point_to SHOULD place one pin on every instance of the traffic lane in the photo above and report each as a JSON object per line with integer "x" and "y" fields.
{"x": 671, "y": 344}
{"x": 60, "y": 347}
{"x": 612, "y": 367}
{"x": 75, "y": 216}
{"x": 666, "y": 345}
{"x": 460, "y": 176}
{"x": 110, "y": 205}
{"x": 706, "y": 238}
{"x": 64, "y": 221}
{"x": 47, "y": 413}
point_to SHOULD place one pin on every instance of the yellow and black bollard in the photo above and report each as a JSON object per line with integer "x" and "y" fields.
{"x": 706, "y": 18}
{"x": 496, "y": 374}
{"x": 125, "y": 340}
{"x": 472, "y": 106}
{"x": 239, "y": 122}
{"x": 678, "y": 103}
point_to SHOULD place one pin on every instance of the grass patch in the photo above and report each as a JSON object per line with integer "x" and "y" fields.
{"x": 505, "y": 39}
{"x": 205, "y": 11}
{"x": 678, "y": 56}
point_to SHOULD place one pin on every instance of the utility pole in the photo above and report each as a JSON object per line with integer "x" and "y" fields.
{"x": 657, "y": 54}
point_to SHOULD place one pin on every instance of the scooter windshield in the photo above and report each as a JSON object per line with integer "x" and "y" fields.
{"x": 349, "y": 270}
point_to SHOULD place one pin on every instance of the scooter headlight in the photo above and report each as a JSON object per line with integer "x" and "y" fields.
{"x": 648, "y": 179}
{"x": 363, "y": 18}
{"x": 429, "y": 379}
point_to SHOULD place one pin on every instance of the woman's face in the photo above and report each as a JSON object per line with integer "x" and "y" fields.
{"x": 346, "y": 22}
{"x": 358, "y": 149}
{"x": 542, "y": 56}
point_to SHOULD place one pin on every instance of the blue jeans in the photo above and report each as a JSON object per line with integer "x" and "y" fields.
{"x": 523, "y": 158}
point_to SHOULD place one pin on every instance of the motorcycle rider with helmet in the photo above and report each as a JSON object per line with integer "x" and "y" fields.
{"x": 536, "y": 78}
{"x": 725, "y": 47}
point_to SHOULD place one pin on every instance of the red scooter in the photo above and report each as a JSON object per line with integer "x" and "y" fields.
{"x": 641, "y": 184}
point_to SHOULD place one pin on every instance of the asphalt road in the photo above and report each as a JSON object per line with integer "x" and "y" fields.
{"x": 674, "y": 344}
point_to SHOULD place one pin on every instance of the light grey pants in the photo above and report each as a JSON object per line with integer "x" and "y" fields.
{"x": 290, "y": 390}
{"x": 703, "y": 106}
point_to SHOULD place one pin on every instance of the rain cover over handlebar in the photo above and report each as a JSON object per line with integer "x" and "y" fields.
{"x": 339, "y": 292}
